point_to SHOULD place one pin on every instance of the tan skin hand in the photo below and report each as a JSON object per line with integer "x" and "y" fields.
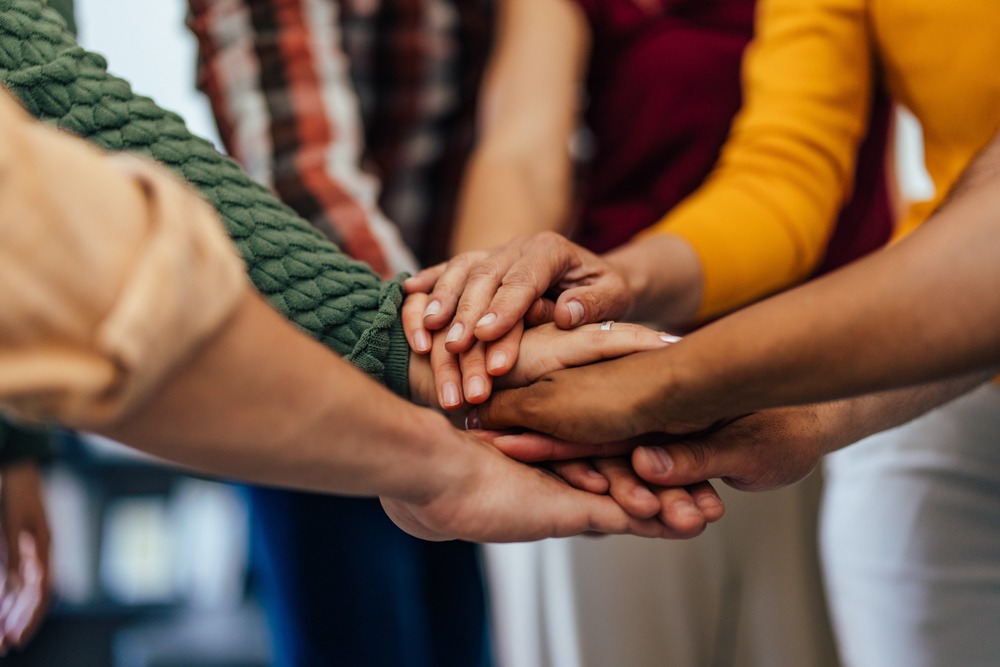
{"x": 481, "y": 296}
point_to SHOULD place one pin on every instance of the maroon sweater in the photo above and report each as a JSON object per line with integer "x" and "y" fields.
{"x": 663, "y": 88}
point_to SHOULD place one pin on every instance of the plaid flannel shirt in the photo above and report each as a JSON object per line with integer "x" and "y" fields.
{"x": 321, "y": 100}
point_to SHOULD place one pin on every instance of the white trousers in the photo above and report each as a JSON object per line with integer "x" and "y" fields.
{"x": 910, "y": 540}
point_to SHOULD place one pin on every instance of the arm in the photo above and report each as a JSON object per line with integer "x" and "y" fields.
{"x": 519, "y": 178}
{"x": 293, "y": 75}
{"x": 762, "y": 219}
{"x": 339, "y": 301}
{"x": 759, "y": 223}
{"x": 166, "y": 347}
{"x": 780, "y": 446}
{"x": 923, "y": 309}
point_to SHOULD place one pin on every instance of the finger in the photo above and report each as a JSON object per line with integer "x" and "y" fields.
{"x": 620, "y": 339}
{"x": 447, "y": 374}
{"x": 502, "y": 353}
{"x": 708, "y": 501}
{"x": 581, "y": 474}
{"x": 412, "y": 316}
{"x": 627, "y": 489}
{"x": 509, "y": 291}
{"x": 687, "y": 462}
{"x": 448, "y": 289}
{"x": 531, "y": 447}
{"x": 424, "y": 280}
{"x": 679, "y": 510}
{"x": 477, "y": 383}
{"x": 607, "y": 298}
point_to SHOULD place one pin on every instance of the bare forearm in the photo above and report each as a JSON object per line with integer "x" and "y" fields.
{"x": 664, "y": 276}
{"x": 296, "y": 416}
{"x": 865, "y": 415}
{"x": 505, "y": 196}
{"x": 923, "y": 309}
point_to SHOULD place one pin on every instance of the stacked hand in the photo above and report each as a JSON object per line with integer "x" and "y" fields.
{"x": 469, "y": 316}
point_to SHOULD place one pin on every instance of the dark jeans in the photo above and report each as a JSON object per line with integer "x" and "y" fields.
{"x": 343, "y": 586}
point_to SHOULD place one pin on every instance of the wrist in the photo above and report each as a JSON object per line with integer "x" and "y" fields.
{"x": 664, "y": 276}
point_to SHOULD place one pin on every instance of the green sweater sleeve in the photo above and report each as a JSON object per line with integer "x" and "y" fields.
{"x": 18, "y": 443}
{"x": 337, "y": 300}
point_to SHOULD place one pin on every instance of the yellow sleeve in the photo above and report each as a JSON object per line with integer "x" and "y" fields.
{"x": 761, "y": 221}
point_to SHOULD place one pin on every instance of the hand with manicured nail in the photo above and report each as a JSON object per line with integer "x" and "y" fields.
{"x": 483, "y": 295}
{"x": 460, "y": 379}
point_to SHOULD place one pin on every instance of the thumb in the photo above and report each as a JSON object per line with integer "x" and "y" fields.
{"x": 605, "y": 299}
{"x": 687, "y": 462}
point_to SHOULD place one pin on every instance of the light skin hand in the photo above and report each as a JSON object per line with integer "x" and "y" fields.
{"x": 686, "y": 509}
{"x": 25, "y": 528}
{"x": 465, "y": 378}
{"x": 500, "y": 500}
{"x": 480, "y": 296}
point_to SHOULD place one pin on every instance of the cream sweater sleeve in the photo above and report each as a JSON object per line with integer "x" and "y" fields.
{"x": 111, "y": 273}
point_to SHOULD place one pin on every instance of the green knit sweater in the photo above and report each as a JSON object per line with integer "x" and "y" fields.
{"x": 335, "y": 299}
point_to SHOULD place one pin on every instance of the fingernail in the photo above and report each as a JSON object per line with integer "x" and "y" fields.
{"x": 433, "y": 308}
{"x": 455, "y": 332}
{"x": 472, "y": 420}
{"x": 659, "y": 459}
{"x": 496, "y": 361}
{"x": 421, "y": 341}
{"x": 450, "y": 392}
{"x": 575, "y": 312}
{"x": 486, "y": 320}
{"x": 708, "y": 503}
{"x": 687, "y": 510}
{"x": 667, "y": 338}
{"x": 593, "y": 474}
{"x": 477, "y": 387}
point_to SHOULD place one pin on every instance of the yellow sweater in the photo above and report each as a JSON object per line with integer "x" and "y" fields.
{"x": 762, "y": 219}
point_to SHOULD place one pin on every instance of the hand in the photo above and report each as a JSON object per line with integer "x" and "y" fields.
{"x": 26, "y": 585}
{"x": 501, "y": 500}
{"x": 608, "y": 402}
{"x": 615, "y": 476}
{"x": 762, "y": 451}
{"x": 543, "y": 349}
{"x": 484, "y": 295}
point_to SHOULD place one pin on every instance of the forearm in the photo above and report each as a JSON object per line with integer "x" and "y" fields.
{"x": 339, "y": 301}
{"x": 664, "y": 276}
{"x": 519, "y": 178}
{"x": 507, "y": 195}
{"x": 762, "y": 218}
{"x": 295, "y": 416}
{"x": 856, "y": 418}
{"x": 923, "y": 309}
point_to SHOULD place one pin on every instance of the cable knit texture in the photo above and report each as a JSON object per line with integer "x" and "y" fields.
{"x": 337, "y": 300}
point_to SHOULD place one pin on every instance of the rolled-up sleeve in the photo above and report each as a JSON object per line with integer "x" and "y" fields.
{"x": 112, "y": 272}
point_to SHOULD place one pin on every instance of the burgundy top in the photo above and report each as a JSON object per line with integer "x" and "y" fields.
{"x": 663, "y": 87}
